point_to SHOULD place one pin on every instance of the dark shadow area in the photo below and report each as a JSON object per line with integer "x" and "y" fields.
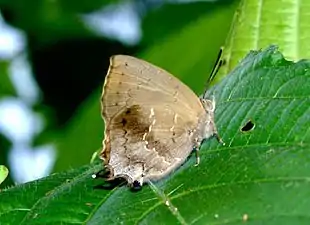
{"x": 110, "y": 185}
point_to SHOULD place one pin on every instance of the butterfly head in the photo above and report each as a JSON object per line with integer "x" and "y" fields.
{"x": 207, "y": 121}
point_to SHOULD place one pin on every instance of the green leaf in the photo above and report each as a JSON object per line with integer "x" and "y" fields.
{"x": 4, "y": 172}
{"x": 258, "y": 24}
{"x": 5, "y": 146}
{"x": 260, "y": 175}
{"x": 65, "y": 197}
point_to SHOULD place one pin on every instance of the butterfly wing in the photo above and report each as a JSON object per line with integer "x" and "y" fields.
{"x": 151, "y": 118}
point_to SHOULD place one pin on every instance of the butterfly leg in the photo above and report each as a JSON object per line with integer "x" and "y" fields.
{"x": 196, "y": 149}
{"x": 219, "y": 139}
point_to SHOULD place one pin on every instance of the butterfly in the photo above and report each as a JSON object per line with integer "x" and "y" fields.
{"x": 152, "y": 121}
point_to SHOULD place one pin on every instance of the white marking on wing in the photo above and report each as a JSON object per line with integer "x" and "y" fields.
{"x": 144, "y": 136}
{"x": 175, "y": 119}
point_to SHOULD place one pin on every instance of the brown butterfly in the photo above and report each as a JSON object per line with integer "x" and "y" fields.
{"x": 153, "y": 121}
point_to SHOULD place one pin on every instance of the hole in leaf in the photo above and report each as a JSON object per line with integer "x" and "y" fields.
{"x": 248, "y": 126}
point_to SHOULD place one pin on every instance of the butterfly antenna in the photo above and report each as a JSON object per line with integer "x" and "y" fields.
{"x": 217, "y": 65}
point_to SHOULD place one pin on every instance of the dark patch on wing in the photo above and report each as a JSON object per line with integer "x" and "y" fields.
{"x": 124, "y": 122}
{"x": 133, "y": 122}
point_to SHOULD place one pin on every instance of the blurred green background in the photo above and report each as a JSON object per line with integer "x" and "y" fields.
{"x": 54, "y": 56}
